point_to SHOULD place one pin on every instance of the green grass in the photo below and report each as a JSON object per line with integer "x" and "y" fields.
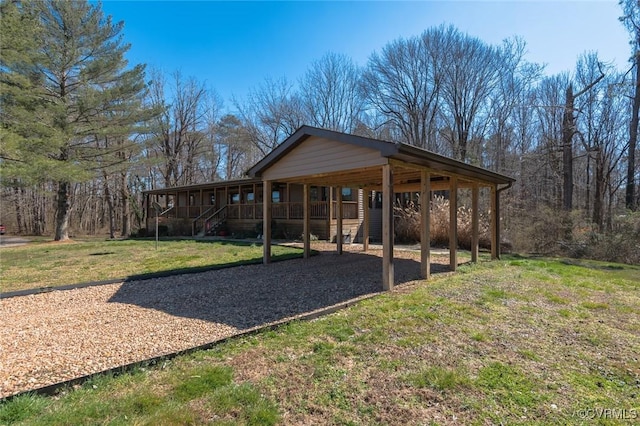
{"x": 439, "y": 378}
{"x": 49, "y": 264}
{"x": 526, "y": 341}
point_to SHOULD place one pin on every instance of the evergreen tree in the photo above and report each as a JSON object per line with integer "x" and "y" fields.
{"x": 65, "y": 94}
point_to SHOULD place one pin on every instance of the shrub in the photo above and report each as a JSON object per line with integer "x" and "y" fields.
{"x": 548, "y": 231}
{"x": 407, "y": 224}
{"x": 537, "y": 230}
{"x": 620, "y": 244}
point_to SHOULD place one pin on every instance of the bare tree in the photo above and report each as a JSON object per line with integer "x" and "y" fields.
{"x": 235, "y": 147}
{"x": 510, "y": 112}
{"x": 631, "y": 20}
{"x": 549, "y": 115}
{"x": 211, "y": 157}
{"x": 178, "y": 133}
{"x": 569, "y": 130}
{"x": 271, "y": 113}
{"x": 601, "y": 131}
{"x": 330, "y": 93}
{"x": 402, "y": 83}
{"x": 470, "y": 73}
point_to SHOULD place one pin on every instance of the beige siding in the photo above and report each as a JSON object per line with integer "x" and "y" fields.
{"x": 362, "y": 204}
{"x": 316, "y": 155}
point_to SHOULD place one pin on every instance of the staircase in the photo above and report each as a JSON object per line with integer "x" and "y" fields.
{"x": 209, "y": 224}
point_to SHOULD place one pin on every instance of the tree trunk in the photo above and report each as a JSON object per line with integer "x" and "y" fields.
{"x": 568, "y": 130}
{"x": 598, "y": 197}
{"x": 109, "y": 199}
{"x": 39, "y": 211}
{"x": 63, "y": 211}
{"x": 18, "y": 194}
{"x": 126, "y": 213}
{"x": 633, "y": 138}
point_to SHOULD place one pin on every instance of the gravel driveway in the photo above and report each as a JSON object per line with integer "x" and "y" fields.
{"x": 52, "y": 337}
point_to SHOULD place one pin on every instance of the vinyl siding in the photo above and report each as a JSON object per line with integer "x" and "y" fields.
{"x": 316, "y": 155}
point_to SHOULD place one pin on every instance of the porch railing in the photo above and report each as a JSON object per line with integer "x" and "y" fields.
{"x": 317, "y": 210}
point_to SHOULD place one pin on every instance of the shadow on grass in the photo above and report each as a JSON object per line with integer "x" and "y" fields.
{"x": 164, "y": 273}
{"x": 250, "y": 296}
{"x": 214, "y": 267}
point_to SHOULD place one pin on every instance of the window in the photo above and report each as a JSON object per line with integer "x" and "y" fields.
{"x": 250, "y": 197}
{"x": 347, "y": 194}
{"x": 235, "y": 198}
{"x": 275, "y": 196}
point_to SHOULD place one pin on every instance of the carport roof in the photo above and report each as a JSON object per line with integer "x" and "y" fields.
{"x": 406, "y": 157}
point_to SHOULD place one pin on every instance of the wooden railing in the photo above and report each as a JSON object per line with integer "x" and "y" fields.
{"x": 244, "y": 211}
{"x": 317, "y": 210}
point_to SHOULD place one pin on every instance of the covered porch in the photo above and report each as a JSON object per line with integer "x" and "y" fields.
{"x": 318, "y": 157}
{"x": 239, "y": 206}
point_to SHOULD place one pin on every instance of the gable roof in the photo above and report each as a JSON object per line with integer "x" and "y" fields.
{"x": 401, "y": 152}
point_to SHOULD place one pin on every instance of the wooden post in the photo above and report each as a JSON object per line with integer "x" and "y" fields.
{"x": 287, "y": 200}
{"x": 253, "y": 208}
{"x": 330, "y": 219}
{"x": 266, "y": 221}
{"x": 387, "y": 227}
{"x": 365, "y": 225}
{"x": 147, "y": 210}
{"x": 339, "y": 219}
{"x": 453, "y": 223}
{"x": 495, "y": 223}
{"x": 425, "y": 224}
{"x": 475, "y": 241}
{"x": 306, "y": 226}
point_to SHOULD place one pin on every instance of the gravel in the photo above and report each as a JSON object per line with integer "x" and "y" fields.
{"x": 61, "y": 335}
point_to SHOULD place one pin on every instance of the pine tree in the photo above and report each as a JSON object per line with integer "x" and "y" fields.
{"x": 66, "y": 96}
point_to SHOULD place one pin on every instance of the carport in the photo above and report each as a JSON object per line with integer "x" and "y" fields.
{"x": 313, "y": 156}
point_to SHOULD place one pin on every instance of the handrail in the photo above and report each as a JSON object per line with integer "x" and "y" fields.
{"x": 216, "y": 213}
{"x": 195, "y": 221}
{"x": 205, "y": 212}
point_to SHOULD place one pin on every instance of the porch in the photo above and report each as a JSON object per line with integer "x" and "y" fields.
{"x": 236, "y": 207}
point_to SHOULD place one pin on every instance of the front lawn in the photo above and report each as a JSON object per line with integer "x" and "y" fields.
{"x": 52, "y": 264}
{"x": 518, "y": 341}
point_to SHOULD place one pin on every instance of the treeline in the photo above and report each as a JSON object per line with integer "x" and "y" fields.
{"x": 83, "y": 132}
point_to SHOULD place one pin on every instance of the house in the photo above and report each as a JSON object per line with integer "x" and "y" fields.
{"x": 235, "y": 208}
{"x": 319, "y": 181}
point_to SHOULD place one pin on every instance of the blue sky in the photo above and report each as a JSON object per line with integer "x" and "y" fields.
{"x": 233, "y": 46}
